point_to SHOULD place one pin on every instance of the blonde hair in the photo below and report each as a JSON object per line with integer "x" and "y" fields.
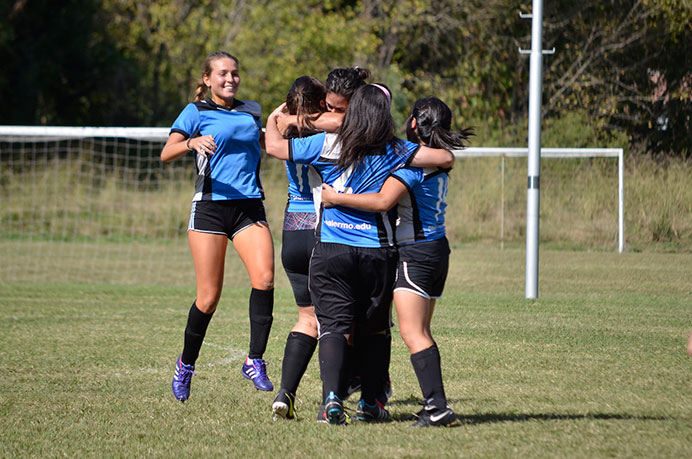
{"x": 201, "y": 89}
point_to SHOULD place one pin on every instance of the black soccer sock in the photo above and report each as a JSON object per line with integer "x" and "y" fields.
{"x": 349, "y": 361}
{"x": 261, "y": 307}
{"x": 426, "y": 364}
{"x": 297, "y": 355}
{"x": 332, "y": 354}
{"x": 197, "y": 323}
{"x": 388, "y": 356}
{"x": 375, "y": 364}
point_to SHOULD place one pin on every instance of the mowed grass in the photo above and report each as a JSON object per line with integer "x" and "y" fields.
{"x": 595, "y": 367}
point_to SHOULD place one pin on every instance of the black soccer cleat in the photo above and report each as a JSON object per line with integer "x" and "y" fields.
{"x": 284, "y": 405}
{"x": 430, "y": 415}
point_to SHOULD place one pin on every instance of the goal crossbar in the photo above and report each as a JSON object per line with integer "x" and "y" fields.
{"x": 511, "y": 152}
{"x": 67, "y": 132}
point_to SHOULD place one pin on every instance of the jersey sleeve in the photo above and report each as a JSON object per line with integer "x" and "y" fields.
{"x": 306, "y": 150}
{"x": 187, "y": 122}
{"x": 409, "y": 176}
{"x": 410, "y": 150}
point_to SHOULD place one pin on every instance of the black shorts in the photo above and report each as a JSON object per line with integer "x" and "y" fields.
{"x": 352, "y": 286}
{"x": 226, "y": 217}
{"x": 296, "y": 248}
{"x": 423, "y": 268}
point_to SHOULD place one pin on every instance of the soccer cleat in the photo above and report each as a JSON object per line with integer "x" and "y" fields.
{"x": 334, "y": 410}
{"x": 430, "y": 415}
{"x": 257, "y": 373}
{"x": 181, "y": 380}
{"x": 283, "y": 406}
{"x": 321, "y": 417}
{"x": 372, "y": 413}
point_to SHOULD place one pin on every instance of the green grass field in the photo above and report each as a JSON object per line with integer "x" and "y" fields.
{"x": 596, "y": 367}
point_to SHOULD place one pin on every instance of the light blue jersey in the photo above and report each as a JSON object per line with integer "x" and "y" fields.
{"x": 344, "y": 225}
{"x": 420, "y": 213}
{"x": 233, "y": 171}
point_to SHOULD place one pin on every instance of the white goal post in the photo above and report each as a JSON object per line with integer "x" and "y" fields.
{"x": 487, "y": 152}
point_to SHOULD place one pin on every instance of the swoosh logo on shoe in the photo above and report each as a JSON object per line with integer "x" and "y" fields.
{"x": 434, "y": 418}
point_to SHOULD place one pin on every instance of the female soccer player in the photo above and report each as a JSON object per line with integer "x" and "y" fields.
{"x": 297, "y": 244}
{"x": 224, "y": 134}
{"x": 341, "y": 83}
{"x": 353, "y": 264}
{"x": 305, "y": 101}
{"x": 423, "y": 247}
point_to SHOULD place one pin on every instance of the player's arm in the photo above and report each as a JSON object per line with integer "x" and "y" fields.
{"x": 383, "y": 200}
{"x": 433, "y": 157}
{"x": 176, "y": 146}
{"x": 274, "y": 142}
{"x": 327, "y": 122}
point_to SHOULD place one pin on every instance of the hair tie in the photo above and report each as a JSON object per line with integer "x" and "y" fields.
{"x": 385, "y": 91}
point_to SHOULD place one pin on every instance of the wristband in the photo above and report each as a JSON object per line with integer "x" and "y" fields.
{"x": 187, "y": 144}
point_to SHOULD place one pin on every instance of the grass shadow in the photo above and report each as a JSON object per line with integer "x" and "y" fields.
{"x": 489, "y": 418}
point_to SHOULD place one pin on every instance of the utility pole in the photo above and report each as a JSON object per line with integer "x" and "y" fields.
{"x": 534, "y": 160}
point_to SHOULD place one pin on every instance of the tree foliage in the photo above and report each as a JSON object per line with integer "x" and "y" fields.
{"x": 623, "y": 67}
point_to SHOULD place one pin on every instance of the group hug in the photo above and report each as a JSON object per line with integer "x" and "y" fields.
{"x": 364, "y": 227}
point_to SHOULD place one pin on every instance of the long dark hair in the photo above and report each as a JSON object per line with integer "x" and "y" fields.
{"x": 305, "y": 99}
{"x": 434, "y": 125}
{"x": 344, "y": 82}
{"x": 368, "y": 126}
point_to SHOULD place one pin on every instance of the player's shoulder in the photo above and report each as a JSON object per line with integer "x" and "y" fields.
{"x": 409, "y": 173}
{"x": 248, "y": 106}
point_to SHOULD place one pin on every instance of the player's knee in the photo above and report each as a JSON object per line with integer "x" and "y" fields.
{"x": 410, "y": 337}
{"x": 307, "y": 323}
{"x": 263, "y": 281}
{"x": 207, "y": 303}
{"x": 207, "y": 307}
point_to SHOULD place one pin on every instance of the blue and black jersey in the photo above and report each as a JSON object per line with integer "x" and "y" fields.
{"x": 420, "y": 213}
{"x": 344, "y": 225}
{"x": 233, "y": 171}
{"x": 302, "y": 180}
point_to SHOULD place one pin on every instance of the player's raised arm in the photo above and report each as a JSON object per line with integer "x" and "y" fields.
{"x": 274, "y": 142}
{"x": 327, "y": 122}
{"x": 433, "y": 157}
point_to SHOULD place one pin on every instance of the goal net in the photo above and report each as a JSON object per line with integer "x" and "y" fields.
{"x": 92, "y": 205}
{"x": 96, "y": 205}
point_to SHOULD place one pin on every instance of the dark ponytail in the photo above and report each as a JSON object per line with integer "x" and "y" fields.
{"x": 344, "y": 82}
{"x": 434, "y": 125}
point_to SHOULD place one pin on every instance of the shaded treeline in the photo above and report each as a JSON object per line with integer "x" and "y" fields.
{"x": 621, "y": 74}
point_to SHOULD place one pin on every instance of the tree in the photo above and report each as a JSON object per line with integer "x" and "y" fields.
{"x": 625, "y": 63}
{"x": 60, "y": 66}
